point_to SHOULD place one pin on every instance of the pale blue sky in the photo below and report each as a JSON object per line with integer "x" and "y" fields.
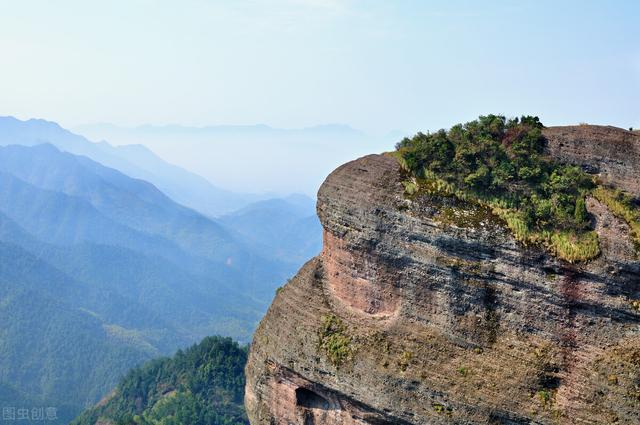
{"x": 376, "y": 65}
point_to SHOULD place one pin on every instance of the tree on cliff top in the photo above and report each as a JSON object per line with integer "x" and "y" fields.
{"x": 502, "y": 163}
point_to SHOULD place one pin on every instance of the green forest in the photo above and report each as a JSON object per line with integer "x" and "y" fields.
{"x": 202, "y": 385}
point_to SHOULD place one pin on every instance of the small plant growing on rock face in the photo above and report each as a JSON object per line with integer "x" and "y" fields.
{"x": 580, "y": 213}
{"x": 441, "y": 408}
{"x": 404, "y": 360}
{"x": 545, "y": 397}
{"x": 463, "y": 371}
{"x": 622, "y": 206}
{"x": 334, "y": 340}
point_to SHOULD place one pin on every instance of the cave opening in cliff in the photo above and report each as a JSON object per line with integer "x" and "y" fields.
{"x": 310, "y": 400}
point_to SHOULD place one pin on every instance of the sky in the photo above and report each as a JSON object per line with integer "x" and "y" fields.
{"x": 380, "y": 66}
{"x": 377, "y": 65}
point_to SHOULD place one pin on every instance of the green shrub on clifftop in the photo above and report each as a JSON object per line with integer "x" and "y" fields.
{"x": 501, "y": 163}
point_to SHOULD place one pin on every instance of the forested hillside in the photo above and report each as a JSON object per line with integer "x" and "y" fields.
{"x": 100, "y": 272}
{"x": 203, "y": 385}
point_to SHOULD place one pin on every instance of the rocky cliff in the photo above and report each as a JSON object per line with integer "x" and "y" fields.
{"x": 427, "y": 311}
{"x": 612, "y": 153}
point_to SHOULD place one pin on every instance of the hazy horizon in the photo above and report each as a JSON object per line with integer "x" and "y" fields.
{"x": 297, "y": 159}
{"x": 377, "y": 66}
{"x": 251, "y": 159}
{"x": 383, "y": 68}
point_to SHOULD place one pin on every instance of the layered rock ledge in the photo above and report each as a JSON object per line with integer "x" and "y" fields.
{"x": 427, "y": 311}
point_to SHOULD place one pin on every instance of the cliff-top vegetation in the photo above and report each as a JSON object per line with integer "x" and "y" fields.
{"x": 501, "y": 163}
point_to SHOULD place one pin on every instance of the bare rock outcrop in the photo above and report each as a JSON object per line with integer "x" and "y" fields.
{"x": 427, "y": 311}
{"x": 609, "y": 151}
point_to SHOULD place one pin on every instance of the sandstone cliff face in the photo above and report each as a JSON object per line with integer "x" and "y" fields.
{"x": 609, "y": 151}
{"x": 427, "y": 311}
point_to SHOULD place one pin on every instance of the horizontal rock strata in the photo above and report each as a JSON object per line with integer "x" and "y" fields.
{"x": 427, "y": 311}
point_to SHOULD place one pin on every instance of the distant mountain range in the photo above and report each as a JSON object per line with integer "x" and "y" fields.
{"x": 252, "y": 158}
{"x": 100, "y": 271}
{"x": 277, "y": 225}
{"x": 133, "y": 160}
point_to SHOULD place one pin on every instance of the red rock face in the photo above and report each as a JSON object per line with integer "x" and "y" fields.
{"x": 360, "y": 281}
{"x": 443, "y": 323}
{"x": 302, "y": 402}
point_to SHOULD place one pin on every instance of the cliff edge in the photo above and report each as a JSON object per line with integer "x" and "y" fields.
{"x": 427, "y": 311}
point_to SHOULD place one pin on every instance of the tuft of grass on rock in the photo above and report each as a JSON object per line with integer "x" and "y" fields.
{"x": 441, "y": 408}
{"x": 404, "y": 360}
{"x": 463, "y": 371}
{"x": 622, "y": 206}
{"x": 334, "y": 340}
{"x": 545, "y": 397}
